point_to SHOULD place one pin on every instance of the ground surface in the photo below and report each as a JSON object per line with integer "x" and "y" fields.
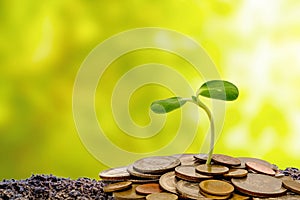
{"x": 52, "y": 187}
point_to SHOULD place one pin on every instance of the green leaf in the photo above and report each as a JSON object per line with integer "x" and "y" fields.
{"x": 218, "y": 89}
{"x": 167, "y": 105}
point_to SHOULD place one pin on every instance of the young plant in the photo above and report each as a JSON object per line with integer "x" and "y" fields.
{"x": 215, "y": 89}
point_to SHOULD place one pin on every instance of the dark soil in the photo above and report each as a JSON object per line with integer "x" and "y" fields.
{"x": 293, "y": 172}
{"x": 52, "y": 187}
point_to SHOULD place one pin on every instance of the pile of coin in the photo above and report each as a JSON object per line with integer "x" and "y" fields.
{"x": 186, "y": 176}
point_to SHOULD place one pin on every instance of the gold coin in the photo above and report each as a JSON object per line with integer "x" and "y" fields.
{"x": 236, "y": 173}
{"x": 187, "y": 159}
{"x": 216, "y": 187}
{"x": 161, "y": 196}
{"x": 226, "y": 160}
{"x": 148, "y": 188}
{"x": 142, "y": 180}
{"x": 168, "y": 182}
{"x": 202, "y": 157}
{"x": 117, "y": 186}
{"x": 128, "y": 194}
{"x": 188, "y": 190}
{"x": 292, "y": 185}
{"x": 210, "y": 196}
{"x": 115, "y": 174}
{"x": 285, "y": 178}
{"x": 248, "y": 159}
{"x": 188, "y": 173}
{"x": 236, "y": 196}
{"x": 260, "y": 168}
{"x": 284, "y": 197}
{"x": 278, "y": 174}
{"x": 212, "y": 169}
{"x": 259, "y": 185}
{"x": 156, "y": 164}
{"x": 133, "y": 172}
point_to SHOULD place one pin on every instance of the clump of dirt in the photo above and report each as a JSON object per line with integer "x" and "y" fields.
{"x": 293, "y": 172}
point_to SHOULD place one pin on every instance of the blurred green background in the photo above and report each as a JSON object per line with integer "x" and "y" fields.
{"x": 254, "y": 44}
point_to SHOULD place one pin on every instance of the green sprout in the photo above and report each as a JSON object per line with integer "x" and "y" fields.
{"x": 215, "y": 89}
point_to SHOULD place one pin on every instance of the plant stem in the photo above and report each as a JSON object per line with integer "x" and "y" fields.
{"x": 197, "y": 101}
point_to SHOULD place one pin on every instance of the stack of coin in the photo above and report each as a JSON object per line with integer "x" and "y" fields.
{"x": 188, "y": 177}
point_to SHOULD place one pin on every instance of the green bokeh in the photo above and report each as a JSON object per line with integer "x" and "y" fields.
{"x": 254, "y": 44}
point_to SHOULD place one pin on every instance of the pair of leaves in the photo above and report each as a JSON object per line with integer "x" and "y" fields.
{"x": 215, "y": 89}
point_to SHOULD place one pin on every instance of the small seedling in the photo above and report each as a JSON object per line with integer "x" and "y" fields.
{"x": 215, "y": 89}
